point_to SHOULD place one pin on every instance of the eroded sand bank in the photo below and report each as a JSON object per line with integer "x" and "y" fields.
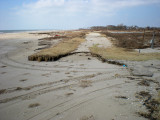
{"x": 76, "y": 87}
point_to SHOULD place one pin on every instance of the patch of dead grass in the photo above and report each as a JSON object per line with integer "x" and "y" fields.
{"x": 133, "y": 40}
{"x": 70, "y": 41}
{"x": 152, "y": 105}
{"x": 158, "y": 99}
{"x": 61, "y": 49}
{"x": 116, "y": 53}
{"x": 52, "y": 38}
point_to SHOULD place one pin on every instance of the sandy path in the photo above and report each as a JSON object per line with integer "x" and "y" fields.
{"x": 94, "y": 39}
{"x": 61, "y": 89}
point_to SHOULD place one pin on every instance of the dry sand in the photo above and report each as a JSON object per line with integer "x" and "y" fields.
{"x": 76, "y": 87}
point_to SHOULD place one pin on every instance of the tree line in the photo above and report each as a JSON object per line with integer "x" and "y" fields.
{"x": 123, "y": 27}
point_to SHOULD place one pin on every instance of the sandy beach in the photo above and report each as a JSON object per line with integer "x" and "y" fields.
{"x": 75, "y": 87}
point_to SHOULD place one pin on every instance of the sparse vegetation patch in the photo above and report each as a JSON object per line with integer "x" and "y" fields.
{"x": 152, "y": 105}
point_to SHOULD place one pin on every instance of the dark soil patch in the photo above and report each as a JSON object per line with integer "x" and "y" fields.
{"x": 3, "y": 66}
{"x": 122, "y": 97}
{"x": 23, "y": 80}
{"x": 3, "y": 72}
{"x": 68, "y": 94}
{"x": 2, "y": 91}
{"x": 144, "y": 83}
{"x": 18, "y": 88}
{"x": 34, "y": 105}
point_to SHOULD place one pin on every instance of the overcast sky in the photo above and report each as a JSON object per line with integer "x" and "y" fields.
{"x": 73, "y": 14}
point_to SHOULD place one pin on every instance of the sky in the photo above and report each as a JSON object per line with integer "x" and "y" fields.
{"x": 74, "y": 14}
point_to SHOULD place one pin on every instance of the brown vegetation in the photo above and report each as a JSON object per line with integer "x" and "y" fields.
{"x": 68, "y": 45}
{"x": 53, "y": 53}
{"x": 115, "y": 53}
{"x": 52, "y": 38}
{"x": 144, "y": 83}
{"x": 122, "y": 97}
{"x": 134, "y": 40}
{"x": 152, "y": 105}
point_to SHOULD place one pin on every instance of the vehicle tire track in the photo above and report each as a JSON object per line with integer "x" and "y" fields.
{"x": 74, "y": 99}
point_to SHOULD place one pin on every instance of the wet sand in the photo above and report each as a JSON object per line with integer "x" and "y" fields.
{"x": 76, "y": 87}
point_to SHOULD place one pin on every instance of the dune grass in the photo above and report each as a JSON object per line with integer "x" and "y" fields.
{"x": 116, "y": 53}
{"x": 52, "y": 53}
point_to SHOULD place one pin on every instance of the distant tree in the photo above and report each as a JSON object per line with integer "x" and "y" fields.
{"x": 148, "y": 28}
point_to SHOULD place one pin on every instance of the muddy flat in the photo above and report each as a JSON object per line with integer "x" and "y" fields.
{"x": 76, "y": 87}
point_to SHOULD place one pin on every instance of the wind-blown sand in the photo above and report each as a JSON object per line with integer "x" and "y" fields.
{"x": 76, "y": 87}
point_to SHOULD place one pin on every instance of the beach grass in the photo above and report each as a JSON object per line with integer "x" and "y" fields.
{"x": 116, "y": 53}
{"x": 70, "y": 41}
{"x": 61, "y": 49}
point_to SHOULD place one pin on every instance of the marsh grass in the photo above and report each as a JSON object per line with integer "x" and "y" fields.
{"x": 61, "y": 49}
{"x": 116, "y": 53}
{"x": 70, "y": 41}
